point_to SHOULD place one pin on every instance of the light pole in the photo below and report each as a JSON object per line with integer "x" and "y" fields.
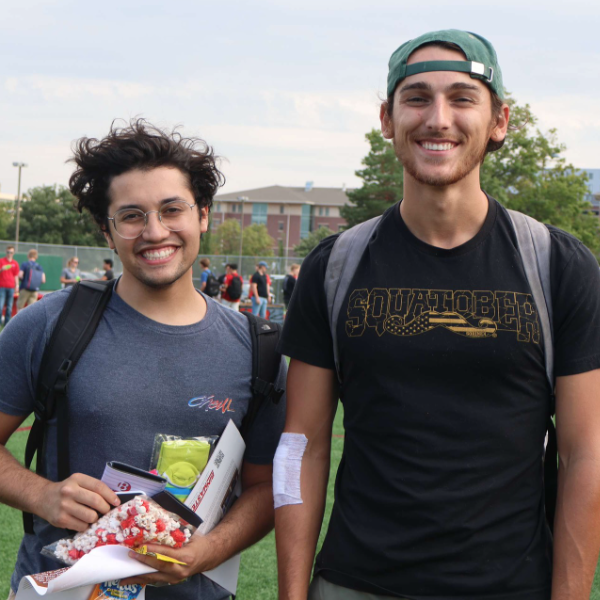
{"x": 241, "y": 199}
{"x": 19, "y": 165}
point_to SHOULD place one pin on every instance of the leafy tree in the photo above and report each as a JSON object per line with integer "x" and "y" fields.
{"x": 257, "y": 241}
{"x": 382, "y": 182}
{"x": 226, "y": 238}
{"x": 6, "y": 216}
{"x": 311, "y": 241}
{"x": 528, "y": 174}
{"x": 49, "y": 217}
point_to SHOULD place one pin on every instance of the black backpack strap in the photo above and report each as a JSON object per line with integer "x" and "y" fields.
{"x": 265, "y": 366}
{"x": 75, "y": 328}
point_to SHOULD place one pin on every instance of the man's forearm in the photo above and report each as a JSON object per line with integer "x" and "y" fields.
{"x": 248, "y": 521}
{"x": 298, "y": 526}
{"x": 576, "y": 529}
{"x": 19, "y": 487}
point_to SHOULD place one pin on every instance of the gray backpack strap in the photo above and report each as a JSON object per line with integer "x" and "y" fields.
{"x": 343, "y": 260}
{"x": 533, "y": 238}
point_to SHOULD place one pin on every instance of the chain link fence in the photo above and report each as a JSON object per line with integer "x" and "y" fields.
{"x": 91, "y": 259}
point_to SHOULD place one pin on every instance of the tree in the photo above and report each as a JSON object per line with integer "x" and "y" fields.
{"x": 311, "y": 241}
{"x": 257, "y": 241}
{"x": 49, "y": 217}
{"x": 226, "y": 238}
{"x": 382, "y": 182}
{"x": 6, "y": 216}
{"x": 529, "y": 173}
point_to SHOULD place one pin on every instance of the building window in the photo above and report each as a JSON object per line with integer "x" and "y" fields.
{"x": 280, "y": 225}
{"x": 320, "y": 212}
{"x": 306, "y": 221}
{"x": 326, "y": 212}
{"x": 259, "y": 213}
{"x": 281, "y": 209}
{"x": 234, "y": 208}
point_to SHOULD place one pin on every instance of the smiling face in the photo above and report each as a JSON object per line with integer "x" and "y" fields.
{"x": 158, "y": 258}
{"x": 441, "y": 121}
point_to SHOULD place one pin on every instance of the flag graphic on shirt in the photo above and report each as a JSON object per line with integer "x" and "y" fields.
{"x": 452, "y": 321}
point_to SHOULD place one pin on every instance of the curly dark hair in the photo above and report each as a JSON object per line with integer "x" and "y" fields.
{"x": 139, "y": 145}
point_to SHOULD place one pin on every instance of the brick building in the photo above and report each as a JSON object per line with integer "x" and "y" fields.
{"x": 290, "y": 213}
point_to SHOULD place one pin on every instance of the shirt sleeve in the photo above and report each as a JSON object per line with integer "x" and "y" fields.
{"x": 266, "y": 429}
{"x": 306, "y": 334}
{"x": 576, "y": 306}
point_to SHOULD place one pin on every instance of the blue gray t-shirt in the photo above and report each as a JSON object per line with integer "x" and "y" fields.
{"x": 137, "y": 378}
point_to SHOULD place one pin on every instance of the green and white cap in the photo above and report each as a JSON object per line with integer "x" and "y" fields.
{"x": 481, "y": 63}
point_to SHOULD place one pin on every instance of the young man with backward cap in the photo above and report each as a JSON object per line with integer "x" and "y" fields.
{"x": 173, "y": 360}
{"x": 439, "y": 493}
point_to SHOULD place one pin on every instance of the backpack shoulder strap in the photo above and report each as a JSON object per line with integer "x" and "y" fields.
{"x": 534, "y": 243}
{"x": 265, "y": 366}
{"x": 74, "y": 330}
{"x": 533, "y": 239}
{"x": 343, "y": 261}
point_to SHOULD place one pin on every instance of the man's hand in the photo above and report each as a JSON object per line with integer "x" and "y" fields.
{"x": 196, "y": 554}
{"x": 75, "y": 502}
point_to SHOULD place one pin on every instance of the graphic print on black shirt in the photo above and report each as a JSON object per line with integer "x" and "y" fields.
{"x": 473, "y": 314}
{"x": 439, "y": 492}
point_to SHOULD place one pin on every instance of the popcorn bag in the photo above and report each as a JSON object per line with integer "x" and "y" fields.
{"x": 135, "y": 523}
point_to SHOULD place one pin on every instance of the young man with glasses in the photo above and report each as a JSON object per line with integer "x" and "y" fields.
{"x": 9, "y": 282}
{"x": 442, "y": 375}
{"x": 170, "y": 353}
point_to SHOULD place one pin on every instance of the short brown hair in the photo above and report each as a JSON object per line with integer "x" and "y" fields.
{"x": 33, "y": 253}
{"x": 205, "y": 262}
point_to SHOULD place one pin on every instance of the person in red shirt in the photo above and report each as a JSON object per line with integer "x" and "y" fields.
{"x": 231, "y": 290}
{"x": 9, "y": 281}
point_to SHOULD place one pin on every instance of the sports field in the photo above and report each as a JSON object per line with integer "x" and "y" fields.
{"x": 258, "y": 574}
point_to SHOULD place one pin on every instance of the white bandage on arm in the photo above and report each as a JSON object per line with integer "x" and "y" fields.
{"x": 286, "y": 469}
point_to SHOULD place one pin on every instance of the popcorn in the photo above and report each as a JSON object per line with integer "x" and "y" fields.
{"x": 135, "y": 523}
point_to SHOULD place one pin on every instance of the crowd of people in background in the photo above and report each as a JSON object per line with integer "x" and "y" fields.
{"x": 228, "y": 288}
{"x": 20, "y": 284}
{"x": 23, "y": 282}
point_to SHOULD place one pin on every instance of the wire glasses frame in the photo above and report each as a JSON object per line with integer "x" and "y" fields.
{"x": 130, "y": 223}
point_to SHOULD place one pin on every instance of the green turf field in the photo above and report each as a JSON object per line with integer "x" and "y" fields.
{"x": 258, "y": 573}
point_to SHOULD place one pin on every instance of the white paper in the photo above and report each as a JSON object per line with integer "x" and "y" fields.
{"x": 107, "y": 563}
{"x": 219, "y": 484}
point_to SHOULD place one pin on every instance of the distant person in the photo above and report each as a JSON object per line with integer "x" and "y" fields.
{"x": 9, "y": 282}
{"x": 208, "y": 282}
{"x": 289, "y": 282}
{"x": 231, "y": 290}
{"x": 261, "y": 290}
{"x": 32, "y": 276}
{"x": 108, "y": 270}
{"x": 71, "y": 274}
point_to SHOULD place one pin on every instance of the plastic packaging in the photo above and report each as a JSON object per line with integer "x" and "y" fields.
{"x": 111, "y": 590}
{"x": 134, "y": 523}
{"x": 181, "y": 461}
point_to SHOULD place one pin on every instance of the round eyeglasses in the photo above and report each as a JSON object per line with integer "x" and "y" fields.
{"x": 130, "y": 223}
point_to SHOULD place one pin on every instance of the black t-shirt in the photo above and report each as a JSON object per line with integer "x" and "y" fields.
{"x": 439, "y": 492}
{"x": 288, "y": 287}
{"x": 109, "y": 274}
{"x": 261, "y": 284}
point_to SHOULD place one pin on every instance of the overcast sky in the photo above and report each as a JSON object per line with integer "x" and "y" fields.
{"x": 284, "y": 91}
